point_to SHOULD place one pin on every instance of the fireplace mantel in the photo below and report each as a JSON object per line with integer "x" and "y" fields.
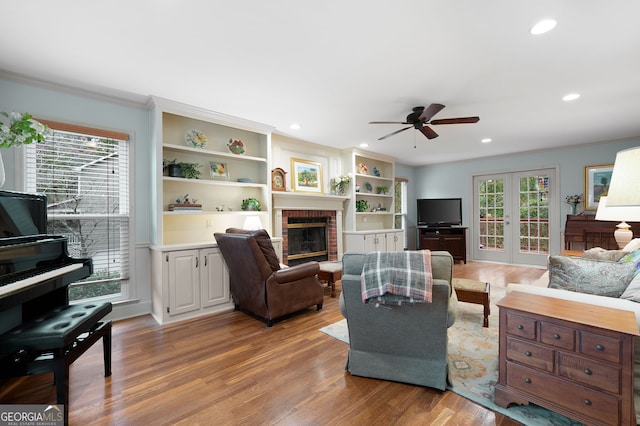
{"x": 307, "y": 201}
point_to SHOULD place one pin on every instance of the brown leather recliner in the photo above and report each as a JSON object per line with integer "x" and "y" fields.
{"x": 258, "y": 285}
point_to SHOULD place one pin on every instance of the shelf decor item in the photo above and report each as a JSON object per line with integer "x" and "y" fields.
{"x": 596, "y": 184}
{"x": 190, "y": 170}
{"x": 307, "y": 175}
{"x": 382, "y": 190}
{"x": 362, "y": 169}
{"x": 195, "y": 138}
{"x": 362, "y": 206}
{"x": 368, "y": 187}
{"x": 219, "y": 170}
{"x": 340, "y": 184}
{"x": 236, "y": 147}
{"x": 278, "y": 179}
{"x": 251, "y": 204}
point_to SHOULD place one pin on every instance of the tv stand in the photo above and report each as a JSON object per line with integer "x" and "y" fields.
{"x": 448, "y": 238}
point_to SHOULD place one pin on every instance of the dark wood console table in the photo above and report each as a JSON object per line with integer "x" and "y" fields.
{"x": 448, "y": 238}
{"x": 584, "y": 228}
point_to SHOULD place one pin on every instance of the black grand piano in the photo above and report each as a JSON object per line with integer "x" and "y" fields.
{"x": 39, "y": 330}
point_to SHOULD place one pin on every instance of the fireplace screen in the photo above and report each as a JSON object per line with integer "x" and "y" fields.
{"x": 307, "y": 241}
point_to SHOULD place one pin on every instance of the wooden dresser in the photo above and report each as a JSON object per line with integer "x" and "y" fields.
{"x": 573, "y": 358}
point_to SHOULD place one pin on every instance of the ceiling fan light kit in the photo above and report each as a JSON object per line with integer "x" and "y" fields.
{"x": 419, "y": 120}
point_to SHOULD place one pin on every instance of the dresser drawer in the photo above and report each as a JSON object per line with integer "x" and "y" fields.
{"x": 597, "y": 405}
{"x": 601, "y": 347}
{"x": 592, "y": 373}
{"x": 530, "y": 354}
{"x": 518, "y": 325}
{"x": 557, "y": 335}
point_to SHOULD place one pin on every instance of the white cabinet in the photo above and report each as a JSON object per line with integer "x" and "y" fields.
{"x": 193, "y": 282}
{"x": 395, "y": 241}
{"x": 366, "y": 241}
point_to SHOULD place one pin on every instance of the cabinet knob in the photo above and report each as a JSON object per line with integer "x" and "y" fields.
{"x": 599, "y": 347}
{"x": 527, "y": 353}
{"x": 587, "y": 372}
{"x": 527, "y": 380}
{"x": 520, "y": 327}
{"x": 587, "y": 402}
{"x": 556, "y": 336}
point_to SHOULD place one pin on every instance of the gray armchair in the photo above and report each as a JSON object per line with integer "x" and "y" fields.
{"x": 406, "y": 343}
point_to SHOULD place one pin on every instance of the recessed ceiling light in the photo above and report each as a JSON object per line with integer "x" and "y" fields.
{"x": 543, "y": 26}
{"x": 363, "y": 145}
{"x": 486, "y": 140}
{"x": 571, "y": 97}
{"x": 294, "y": 126}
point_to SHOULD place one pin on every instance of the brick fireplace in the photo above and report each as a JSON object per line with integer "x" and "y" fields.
{"x": 311, "y": 217}
{"x": 309, "y": 208}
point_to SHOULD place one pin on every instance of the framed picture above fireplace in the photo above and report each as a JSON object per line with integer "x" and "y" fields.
{"x": 306, "y": 176}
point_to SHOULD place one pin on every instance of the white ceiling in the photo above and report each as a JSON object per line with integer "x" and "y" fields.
{"x": 335, "y": 65}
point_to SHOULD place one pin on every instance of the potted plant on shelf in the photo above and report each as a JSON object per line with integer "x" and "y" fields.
{"x": 250, "y": 204}
{"x": 362, "y": 206}
{"x": 381, "y": 189}
{"x": 190, "y": 170}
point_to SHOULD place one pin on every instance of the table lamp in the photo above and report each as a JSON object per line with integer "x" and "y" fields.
{"x": 252, "y": 223}
{"x": 623, "y": 233}
{"x": 624, "y": 188}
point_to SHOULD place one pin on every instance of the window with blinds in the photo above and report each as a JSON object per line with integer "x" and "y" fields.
{"x": 400, "y": 206}
{"x": 85, "y": 175}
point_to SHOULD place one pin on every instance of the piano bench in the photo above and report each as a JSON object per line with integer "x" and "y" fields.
{"x": 53, "y": 340}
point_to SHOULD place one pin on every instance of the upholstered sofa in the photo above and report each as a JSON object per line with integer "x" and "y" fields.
{"x": 601, "y": 277}
{"x": 259, "y": 285}
{"x": 406, "y": 343}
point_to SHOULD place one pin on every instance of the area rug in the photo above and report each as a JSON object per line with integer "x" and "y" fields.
{"x": 473, "y": 362}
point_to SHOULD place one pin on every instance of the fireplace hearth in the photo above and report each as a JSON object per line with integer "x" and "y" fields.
{"x": 307, "y": 239}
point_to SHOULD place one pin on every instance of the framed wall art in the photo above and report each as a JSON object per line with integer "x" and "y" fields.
{"x": 596, "y": 184}
{"x": 219, "y": 170}
{"x": 306, "y": 176}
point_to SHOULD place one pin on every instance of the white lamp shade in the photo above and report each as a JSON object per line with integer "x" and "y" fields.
{"x": 252, "y": 223}
{"x": 616, "y": 213}
{"x": 624, "y": 188}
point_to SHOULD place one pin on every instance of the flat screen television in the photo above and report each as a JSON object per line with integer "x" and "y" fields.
{"x": 439, "y": 211}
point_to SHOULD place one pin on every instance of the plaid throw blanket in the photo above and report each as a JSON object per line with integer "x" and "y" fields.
{"x": 397, "y": 277}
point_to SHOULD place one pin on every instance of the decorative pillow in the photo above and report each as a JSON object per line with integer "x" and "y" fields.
{"x": 590, "y": 276}
{"x": 632, "y": 292}
{"x": 598, "y": 253}
{"x": 632, "y": 245}
{"x": 633, "y": 257}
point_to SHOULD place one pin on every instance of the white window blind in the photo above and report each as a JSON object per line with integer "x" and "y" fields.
{"x": 85, "y": 176}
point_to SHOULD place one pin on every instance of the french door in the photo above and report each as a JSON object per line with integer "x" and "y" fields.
{"x": 511, "y": 217}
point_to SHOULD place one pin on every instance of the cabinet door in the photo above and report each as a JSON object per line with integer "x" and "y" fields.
{"x": 214, "y": 278}
{"x": 371, "y": 242}
{"x": 184, "y": 281}
{"x": 395, "y": 241}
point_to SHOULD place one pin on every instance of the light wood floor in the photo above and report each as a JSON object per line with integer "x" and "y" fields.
{"x": 230, "y": 369}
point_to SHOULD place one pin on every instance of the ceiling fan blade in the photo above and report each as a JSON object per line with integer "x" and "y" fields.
{"x": 428, "y": 132}
{"x": 388, "y": 122}
{"x": 395, "y": 133}
{"x": 460, "y": 120}
{"x": 430, "y": 111}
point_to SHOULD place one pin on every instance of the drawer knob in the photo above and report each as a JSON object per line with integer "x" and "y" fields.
{"x": 587, "y": 372}
{"x": 520, "y": 327}
{"x": 587, "y": 402}
{"x": 556, "y": 336}
{"x": 527, "y": 380}
{"x": 599, "y": 347}
{"x": 527, "y": 353}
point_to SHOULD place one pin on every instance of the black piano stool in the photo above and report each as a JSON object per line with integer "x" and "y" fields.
{"x": 53, "y": 340}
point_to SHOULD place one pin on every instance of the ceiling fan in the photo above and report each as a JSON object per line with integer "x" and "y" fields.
{"x": 420, "y": 117}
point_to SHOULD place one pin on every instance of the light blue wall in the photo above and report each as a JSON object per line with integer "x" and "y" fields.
{"x": 99, "y": 112}
{"x": 455, "y": 179}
